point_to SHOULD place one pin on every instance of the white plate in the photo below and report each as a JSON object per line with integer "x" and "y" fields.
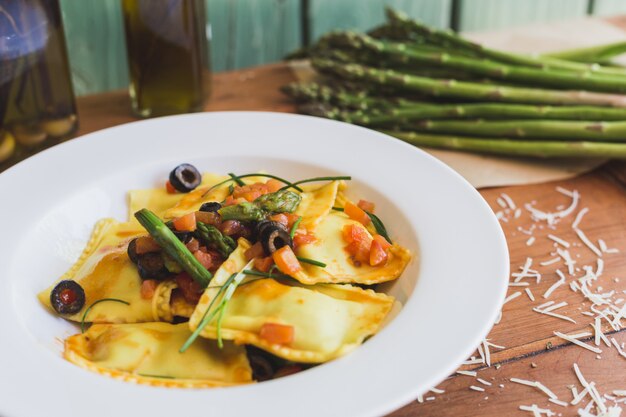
{"x": 51, "y": 201}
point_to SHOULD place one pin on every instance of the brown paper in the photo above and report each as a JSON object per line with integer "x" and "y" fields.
{"x": 489, "y": 171}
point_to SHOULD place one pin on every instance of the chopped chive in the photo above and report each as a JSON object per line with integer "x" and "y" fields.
{"x": 220, "y": 342}
{"x": 236, "y": 179}
{"x": 311, "y": 261}
{"x": 264, "y": 274}
{"x": 231, "y": 189}
{"x": 82, "y": 322}
{"x": 157, "y": 376}
{"x": 252, "y": 175}
{"x": 227, "y": 290}
{"x": 338, "y": 208}
{"x": 315, "y": 180}
{"x": 379, "y": 226}
{"x": 295, "y": 227}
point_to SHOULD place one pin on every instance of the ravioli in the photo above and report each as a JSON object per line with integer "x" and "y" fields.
{"x": 328, "y": 320}
{"x": 340, "y": 268}
{"x": 104, "y": 270}
{"x": 148, "y": 353}
{"x": 316, "y": 204}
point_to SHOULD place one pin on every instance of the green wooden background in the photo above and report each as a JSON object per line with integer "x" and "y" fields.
{"x": 252, "y": 32}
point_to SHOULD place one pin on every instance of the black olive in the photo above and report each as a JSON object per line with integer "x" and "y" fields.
{"x": 152, "y": 266}
{"x": 260, "y": 226}
{"x": 68, "y": 297}
{"x": 262, "y": 369}
{"x": 132, "y": 251}
{"x": 185, "y": 178}
{"x": 273, "y": 238}
{"x": 184, "y": 237}
{"x": 211, "y": 207}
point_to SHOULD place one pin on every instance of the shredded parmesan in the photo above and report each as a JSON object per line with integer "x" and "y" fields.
{"x": 530, "y": 294}
{"x": 581, "y": 235}
{"x": 553, "y": 218}
{"x": 466, "y": 373}
{"x": 475, "y": 388}
{"x": 512, "y": 297}
{"x": 558, "y": 240}
{"x": 578, "y": 342}
{"x": 537, "y": 412}
{"x": 550, "y": 262}
{"x": 554, "y": 286}
{"x": 482, "y": 381}
{"x": 509, "y": 201}
{"x": 530, "y": 241}
{"x": 579, "y": 217}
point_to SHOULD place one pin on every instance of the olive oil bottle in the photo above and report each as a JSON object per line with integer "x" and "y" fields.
{"x": 37, "y": 106}
{"x": 167, "y": 55}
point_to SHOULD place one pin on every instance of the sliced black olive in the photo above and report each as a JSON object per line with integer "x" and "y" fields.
{"x": 273, "y": 238}
{"x": 68, "y": 297}
{"x": 211, "y": 207}
{"x": 185, "y": 178}
{"x": 152, "y": 266}
{"x": 262, "y": 369}
{"x": 132, "y": 251}
{"x": 260, "y": 226}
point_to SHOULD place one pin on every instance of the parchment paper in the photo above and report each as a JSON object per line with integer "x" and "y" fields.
{"x": 489, "y": 171}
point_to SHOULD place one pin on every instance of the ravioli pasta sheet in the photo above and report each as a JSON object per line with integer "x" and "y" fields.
{"x": 328, "y": 320}
{"x": 147, "y": 353}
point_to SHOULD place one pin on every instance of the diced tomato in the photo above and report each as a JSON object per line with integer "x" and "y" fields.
{"x": 254, "y": 251}
{"x": 231, "y": 201}
{"x": 170, "y": 188}
{"x": 208, "y": 218}
{"x": 359, "y": 242}
{"x": 366, "y": 205}
{"x": 193, "y": 245}
{"x": 263, "y": 264}
{"x": 205, "y": 258}
{"x": 378, "y": 255}
{"x": 275, "y": 333}
{"x": 148, "y": 287}
{"x": 383, "y": 242}
{"x": 280, "y": 218}
{"x": 356, "y": 213}
{"x": 291, "y": 219}
{"x": 302, "y": 238}
{"x": 146, "y": 244}
{"x": 286, "y": 261}
{"x": 191, "y": 289}
{"x": 274, "y": 185}
{"x": 186, "y": 223}
{"x": 354, "y": 232}
{"x": 234, "y": 228}
{"x": 287, "y": 370}
{"x": 250, "y": 192}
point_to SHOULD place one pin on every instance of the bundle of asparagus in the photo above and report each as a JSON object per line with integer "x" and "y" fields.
{"x": 434, "y": 88}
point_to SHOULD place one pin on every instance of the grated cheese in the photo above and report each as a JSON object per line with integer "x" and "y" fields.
{"x": 578, "y": 342}
{"x": 581, "y": 235}
{"x": 530, "y": 294}
{"x": 518, "y": 213}
{"x": 558, "y": 240}
{"x": 509, "y": 201}
{"x": 530, "y": 241}
{"x": 579, "y": 217}
{"x": 501, "y": 202}
{"x": 558, "y": 402}
{"x": 537, "y": 412}
{"x": 554, "y": 286}
{"x": 475, "y": 388}
{"x": 512, "y": 297}
{"x": 482, "y": 381}
{"x": 466, "y": 373}
{"x": 569, "y": 262}
{"x": 550, "y": 262}
{"x": 553, "y": 218}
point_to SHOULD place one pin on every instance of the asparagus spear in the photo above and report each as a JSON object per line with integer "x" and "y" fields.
{"x": 504, "y": 146}
{"x": 594, "y": 54}
{"x": 531, "y": 129}
{"x": 465, "y": 90}
{"x": 414, "y": 111}
{"x": 173, "y": 247}
{"x": 415, "y": 58}
{"x": 211, "y": 236}
{"x": 281, "y": 201}
{"x": 449, "y": 38}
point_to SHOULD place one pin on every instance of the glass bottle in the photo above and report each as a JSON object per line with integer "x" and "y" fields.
{"x": 167, "y": 55}
{"x": 37, "y": 106}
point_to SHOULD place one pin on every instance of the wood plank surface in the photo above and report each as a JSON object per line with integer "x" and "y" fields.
{"x": 524, "y": 334}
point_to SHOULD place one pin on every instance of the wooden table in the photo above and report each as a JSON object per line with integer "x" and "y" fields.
{"x": 524, "y": 333}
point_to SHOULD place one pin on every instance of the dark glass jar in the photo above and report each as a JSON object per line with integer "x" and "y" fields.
{"x": 167, "y": 55}
{"x": 37, "y": 106}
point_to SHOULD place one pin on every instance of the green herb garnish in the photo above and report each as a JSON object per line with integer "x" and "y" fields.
{"x": 227, "y": 291}
{"x": 264, "y": 274}
{"x": 157, "y": 376}
{"x": 311, "y": 261}
{"x": 376, "y": 222}
{"x": 251, "y": 175}
{"x": 231, "y": 189}
{"x": 315, "y": 179}
{"x": 292, "y": 233}
{"x": 236, "y": 179}
{"x": 338, "y": 209}
{"x": 82, "y": 322}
